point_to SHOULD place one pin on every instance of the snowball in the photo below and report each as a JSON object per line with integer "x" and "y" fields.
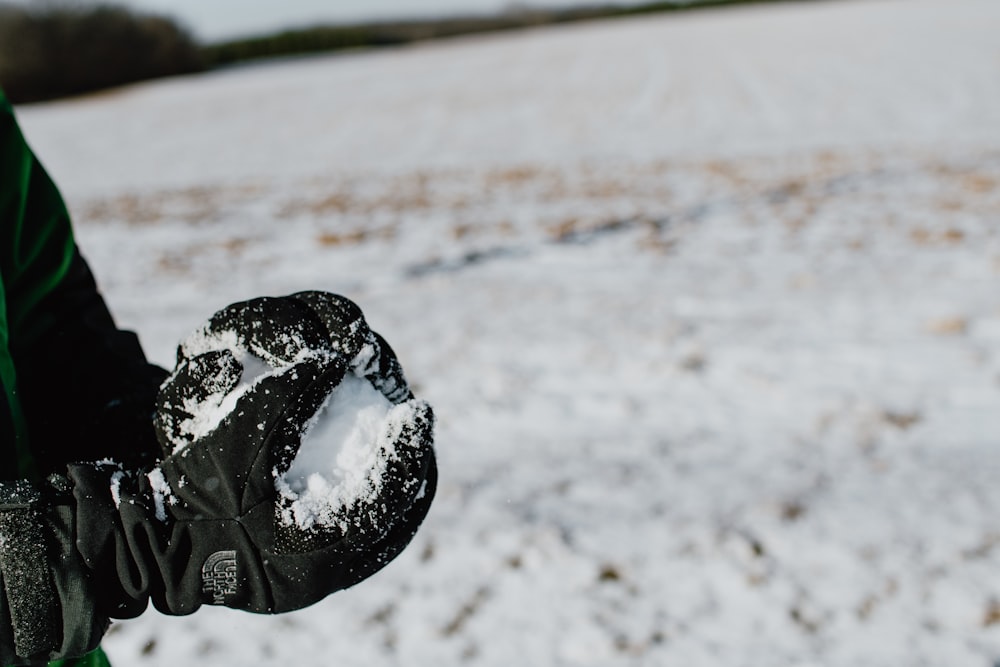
{"x": 345, "y": 449}
{"x": 351, "y": 419}
{"x": 343, "y": 456}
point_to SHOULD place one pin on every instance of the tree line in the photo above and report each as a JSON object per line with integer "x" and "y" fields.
{"x": 60, "y": 48}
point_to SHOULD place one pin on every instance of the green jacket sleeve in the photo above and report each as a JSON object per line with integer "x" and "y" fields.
{"x": 77, "y": 387}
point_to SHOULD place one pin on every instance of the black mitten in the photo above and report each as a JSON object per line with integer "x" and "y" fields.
{"x": 209, "y": 525}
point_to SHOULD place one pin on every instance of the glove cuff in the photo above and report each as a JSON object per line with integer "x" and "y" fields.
{"x": 47, "y": 609}
{"x": 30, "y": 594}
{"x": 139, "y": 550}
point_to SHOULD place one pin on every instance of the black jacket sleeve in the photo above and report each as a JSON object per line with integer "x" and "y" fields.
{"x": 86, "y": 388}
{"x": 80, "y": 388}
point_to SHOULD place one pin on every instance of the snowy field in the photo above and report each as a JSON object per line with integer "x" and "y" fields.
{"x": 708, "y": 306}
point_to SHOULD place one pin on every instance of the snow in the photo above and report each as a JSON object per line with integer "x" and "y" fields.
{"x": 706, "y": 304}
{"x": 163, "y": 495}
{"x": 116, "y": 487}
{"x": 342, "y": 458}
{"x": 254, "y": 368}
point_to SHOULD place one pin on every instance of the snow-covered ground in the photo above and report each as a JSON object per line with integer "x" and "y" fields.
{"x": 708, "y": 306}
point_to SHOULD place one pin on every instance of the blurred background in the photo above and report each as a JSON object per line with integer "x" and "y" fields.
{"x": 52, "y": 48}
{"x": 707, "y": 300}
{"x": 228, "y": 19}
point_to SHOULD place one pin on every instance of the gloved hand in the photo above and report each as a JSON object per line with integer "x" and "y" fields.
{"x": 209, "y": 525}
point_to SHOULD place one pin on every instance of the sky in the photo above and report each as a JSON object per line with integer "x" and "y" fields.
{"x": 221, "y": 19}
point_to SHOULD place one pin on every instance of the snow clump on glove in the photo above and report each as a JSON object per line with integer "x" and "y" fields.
{"x": 348, "y": 445}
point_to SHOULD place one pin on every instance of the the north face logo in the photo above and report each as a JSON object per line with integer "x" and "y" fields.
{"x": 218, "y": 576}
